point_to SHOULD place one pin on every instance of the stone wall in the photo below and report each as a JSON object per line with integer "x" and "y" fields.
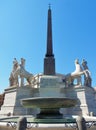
{"x": 12, "y": 102}
{"x": 86, "y": 100}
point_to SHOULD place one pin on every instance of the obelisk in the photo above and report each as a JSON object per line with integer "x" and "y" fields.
{"x": 49, "y": 60}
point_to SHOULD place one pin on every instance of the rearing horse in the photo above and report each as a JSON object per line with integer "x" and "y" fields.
{"x": 20, "y": 71}
{"x": 76, "y": 74}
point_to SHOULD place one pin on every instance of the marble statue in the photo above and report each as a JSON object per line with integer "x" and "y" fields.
{"x": 22, "y": 64}
{"x": 19, "y": 71}
{"x": 87, "y": 74}
{"x": 79, "y": 71}
{"x": 75, "y": 75}
{"x": 14, "y": 80}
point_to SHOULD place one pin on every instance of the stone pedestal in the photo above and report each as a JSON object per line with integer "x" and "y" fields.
{"x": 9, "y": 102}
{"x": 12, "y": 104}
{"x": 86, "y": 100}
{"x": 50, "y": 87}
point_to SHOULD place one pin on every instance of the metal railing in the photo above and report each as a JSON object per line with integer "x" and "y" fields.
{"x": 29, "y": 125}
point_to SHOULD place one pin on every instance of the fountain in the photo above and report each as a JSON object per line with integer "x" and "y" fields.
{"x": 50, "y": 96}
{"x": 50, "y": 99}
{"x": 50, "y": 92}
{"x": 49, "y": 106}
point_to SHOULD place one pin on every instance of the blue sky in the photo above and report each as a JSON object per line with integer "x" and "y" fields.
{"x": 23, "y": 32}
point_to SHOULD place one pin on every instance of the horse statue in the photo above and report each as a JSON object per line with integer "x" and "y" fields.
{"x": 20, "y": 71}
{"x": 75, "y": 75}
{"x": 79, "y": 71}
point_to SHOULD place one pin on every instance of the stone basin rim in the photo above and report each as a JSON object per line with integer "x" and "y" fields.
{"x": 48, "y": 102}
{"x": 43, "y": 98}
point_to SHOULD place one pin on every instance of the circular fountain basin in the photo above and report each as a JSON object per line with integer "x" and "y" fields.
{"x": 49, "y": 106}
{"x": 48, "y": 102}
